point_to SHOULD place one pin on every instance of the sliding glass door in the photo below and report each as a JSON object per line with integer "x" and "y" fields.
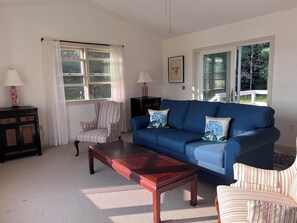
{"x": 236, "y": 74}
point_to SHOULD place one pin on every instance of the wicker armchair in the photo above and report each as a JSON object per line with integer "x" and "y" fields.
{"x": 259, "y": 194}
{"x": 105, "y": 128}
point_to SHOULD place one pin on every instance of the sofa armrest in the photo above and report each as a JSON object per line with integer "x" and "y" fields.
{"x": 250, "y": 148}
{"x": 140, "y": 122}
{"x": 252, "y": 140}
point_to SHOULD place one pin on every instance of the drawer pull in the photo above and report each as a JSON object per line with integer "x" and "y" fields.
{"x": 7, "y": 120}
{"x": 27, "y": 118}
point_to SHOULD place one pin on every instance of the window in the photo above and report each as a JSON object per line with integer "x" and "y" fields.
{"x": 86, "y": 73}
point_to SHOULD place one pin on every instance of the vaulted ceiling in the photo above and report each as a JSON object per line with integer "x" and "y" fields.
{"x": 186, "y": 15}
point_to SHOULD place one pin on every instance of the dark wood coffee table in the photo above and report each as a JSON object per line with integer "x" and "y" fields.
{"x": 153, "y": 171}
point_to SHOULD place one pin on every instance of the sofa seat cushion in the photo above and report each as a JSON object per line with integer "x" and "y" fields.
{"x": 177, "y": 112}
{"x": 151, "y": 134}
{"x": 245, "y": 118}
{"x": 233, "y": 202}
{"x": 195, "y": 118}
{"x": 207, "y": 152}
{"x": 176, "y": 141}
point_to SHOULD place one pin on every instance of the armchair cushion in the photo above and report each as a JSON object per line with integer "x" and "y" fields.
{"x": 262, "y": 212}
{"x": 95, "y": 135}
{"x": 87, "y": 126}
{"x": 233, "y": 202}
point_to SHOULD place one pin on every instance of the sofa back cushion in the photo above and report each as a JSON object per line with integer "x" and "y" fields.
{"x": 245, "y": 118}
{"x": 177, "y": 112}
{"x": 195, "y": 118}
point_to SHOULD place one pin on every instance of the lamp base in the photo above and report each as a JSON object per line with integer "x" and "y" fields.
{"x": 14, "y": 97}
{"x": 144, "y": 90}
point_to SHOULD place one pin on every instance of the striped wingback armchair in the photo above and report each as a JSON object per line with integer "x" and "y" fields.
{"x": 104, "y": 128}
{"x": 259, "y": 195}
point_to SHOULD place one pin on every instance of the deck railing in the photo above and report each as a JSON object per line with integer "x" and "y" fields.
{"x": 253, "y": 93}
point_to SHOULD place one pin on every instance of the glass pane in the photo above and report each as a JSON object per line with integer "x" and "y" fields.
{"x": 100, "y": 78}
{"x": 100, "y": 91}
{"x": 73, "y": 80}
{"x": 72, "y": 67}
{"x": 254, "y": 73}
{"x": 71, "y": 54}
{"x": 97, "y": 54}
{"x": 215, "y": 72}
{"x": 99, "y": 67}
{"x": 74, "y": 93}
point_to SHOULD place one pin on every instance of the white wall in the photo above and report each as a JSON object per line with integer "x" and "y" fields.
{"x": 22, "y": 26}
{"x": 284, "y": 91}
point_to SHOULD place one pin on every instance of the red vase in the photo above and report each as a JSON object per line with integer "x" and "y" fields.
{"x": 14, "y": 97}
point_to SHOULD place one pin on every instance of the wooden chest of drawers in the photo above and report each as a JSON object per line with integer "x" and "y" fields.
{"x": 139, "y": 106}
{"x": 19, "y": 132}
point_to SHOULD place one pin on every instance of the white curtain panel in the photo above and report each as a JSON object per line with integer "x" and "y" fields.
{"x": 117, "y": 79}
{"x": 55, "y": 105}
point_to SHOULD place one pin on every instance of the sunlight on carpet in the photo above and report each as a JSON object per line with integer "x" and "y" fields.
{"x": 120, "y": 198}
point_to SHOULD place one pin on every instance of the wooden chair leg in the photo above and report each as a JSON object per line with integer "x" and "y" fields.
{"x": 217, "y": 207}
{"x": 76, "y": 146}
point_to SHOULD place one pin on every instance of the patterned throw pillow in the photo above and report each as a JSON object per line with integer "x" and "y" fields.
{"x": 293, "y": 189}
{"x": 263, "y": 211}
{"x": 158, "y": 118}
{"x": 87, "y": 126}
{"x": 216, "y": 129}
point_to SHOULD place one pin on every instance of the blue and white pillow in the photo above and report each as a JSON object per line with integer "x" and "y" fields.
{"x": 216, "y": 129}
{"x": 158, "y": 118}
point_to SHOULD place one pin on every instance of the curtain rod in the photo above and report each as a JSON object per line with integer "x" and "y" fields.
{"x": 67, "y": 41}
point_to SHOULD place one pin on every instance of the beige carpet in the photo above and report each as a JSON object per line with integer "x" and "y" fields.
{"x": 57, "y": 188}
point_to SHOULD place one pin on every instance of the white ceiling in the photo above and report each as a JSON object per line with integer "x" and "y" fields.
{"x": 186, "y": 15}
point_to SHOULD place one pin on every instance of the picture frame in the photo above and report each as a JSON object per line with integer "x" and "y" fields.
{"x": 176, "y": 69}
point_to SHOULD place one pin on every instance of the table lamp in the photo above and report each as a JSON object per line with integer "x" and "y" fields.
{"x": 11, "y": 78}
{"x": 144, "y": 77}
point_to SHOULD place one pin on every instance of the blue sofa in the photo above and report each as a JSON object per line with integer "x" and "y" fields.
{"x": 251, "y": 137}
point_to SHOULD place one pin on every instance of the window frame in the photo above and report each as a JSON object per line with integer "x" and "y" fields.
{"x": 85, "y": 68}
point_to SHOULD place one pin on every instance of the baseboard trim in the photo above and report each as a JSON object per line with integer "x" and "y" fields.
{"x": 288, "y": 150}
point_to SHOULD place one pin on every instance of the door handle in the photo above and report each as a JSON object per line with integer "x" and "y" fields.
{"x": 231, "y": 95}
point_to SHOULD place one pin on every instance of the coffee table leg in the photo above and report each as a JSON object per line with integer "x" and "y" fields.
{"x": 156, "y": 206}
{"x": 194, "y": 191}
{"x": 91, "y": 162}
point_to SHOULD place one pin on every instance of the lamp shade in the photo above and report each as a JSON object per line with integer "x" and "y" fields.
{"x": 12, "y": 78}
{"x": 144, "y": 77}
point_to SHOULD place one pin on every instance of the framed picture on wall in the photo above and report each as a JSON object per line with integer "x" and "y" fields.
{"x": 176, "y": 69}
